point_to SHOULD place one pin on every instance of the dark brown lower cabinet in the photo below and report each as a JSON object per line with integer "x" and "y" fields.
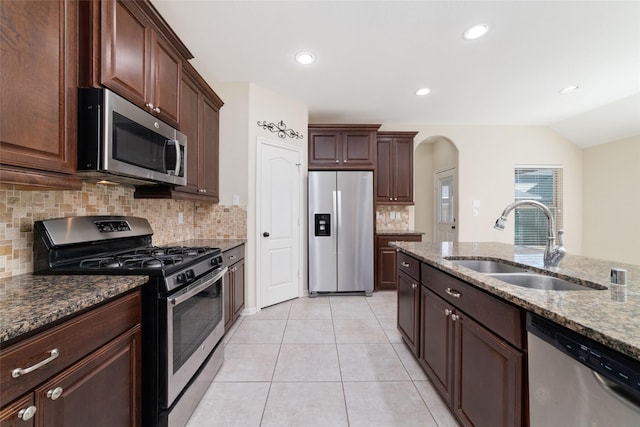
{"x": 98, "y": 391}
{"x": 478, "y": 374}
{"x": 437, "y": 342}
{"x": 93, "y": 381}
{"x": 408, "y": 310}
{"x": 386, "y": 265}
{"x": 234, "y": 285}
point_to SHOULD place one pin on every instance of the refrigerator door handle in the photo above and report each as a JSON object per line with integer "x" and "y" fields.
{"x": 334, "y": 226}
{"x": 338, "y": 218}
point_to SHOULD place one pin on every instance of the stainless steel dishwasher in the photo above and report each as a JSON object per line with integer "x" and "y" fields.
{"x": 575, "y": 381}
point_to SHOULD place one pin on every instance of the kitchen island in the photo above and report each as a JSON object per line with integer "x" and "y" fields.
{"x": 596, "y": 314}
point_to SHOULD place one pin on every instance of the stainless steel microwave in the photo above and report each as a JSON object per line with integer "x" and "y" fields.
{"x": 120, "y": 142}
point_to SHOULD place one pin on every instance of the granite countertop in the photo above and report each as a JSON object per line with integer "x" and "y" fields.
{"x": 29, "y": 302}
{"x": 399, "y": 232}
{"x": 596, "y": 314}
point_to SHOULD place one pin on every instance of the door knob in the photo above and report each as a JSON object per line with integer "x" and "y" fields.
{"x": 265, "y": 234}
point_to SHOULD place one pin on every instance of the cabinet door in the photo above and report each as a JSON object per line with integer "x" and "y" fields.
{"x": 38, "y": 92}
{"x": 386, "y": 268}
{"x": 165, "y": 79}
{"x": 358, "y": 149}
{"x": 386, "y": 259}
{"x": 101, "y": 390}
{"x": 403, "y": 170}
{"x": 436, "y": 342}
{"x": 488, "y": 384}
{"x": 324, "y": 148}
{"x": 238, "y": 288}
{"x": 189, "y": 125}
{"x": 408, "y": 306}
{"x": 228, "y": 299}
{"x": 384, "y": 171}
{"x": 210, "y": 150}
{"x": 125, "y": 51}
{"x": 9, "y": 414}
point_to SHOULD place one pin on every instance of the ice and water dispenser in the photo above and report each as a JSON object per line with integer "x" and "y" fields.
{"x": 323, "y": 224}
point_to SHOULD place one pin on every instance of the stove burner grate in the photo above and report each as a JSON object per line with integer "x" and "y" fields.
{"x": 150, "y": 257}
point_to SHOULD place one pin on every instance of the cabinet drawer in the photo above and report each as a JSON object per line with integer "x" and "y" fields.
{"x": 409, "y": 265}
{"x": 73, "y": 339}
{"x": 233, "y": 255}
{"x": 504, "y": 319}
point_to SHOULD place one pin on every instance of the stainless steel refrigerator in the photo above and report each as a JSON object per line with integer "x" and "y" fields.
{"x": 340, "y": 232}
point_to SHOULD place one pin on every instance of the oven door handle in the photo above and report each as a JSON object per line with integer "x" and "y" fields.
{"x": 189, "y": 292}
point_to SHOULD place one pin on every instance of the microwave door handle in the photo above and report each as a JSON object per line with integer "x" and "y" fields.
{"x": 178, "y": 157}
{"x": 176, "y": 168}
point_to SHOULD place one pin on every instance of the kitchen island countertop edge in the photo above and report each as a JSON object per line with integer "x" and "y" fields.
{"x": 592, "y": 313}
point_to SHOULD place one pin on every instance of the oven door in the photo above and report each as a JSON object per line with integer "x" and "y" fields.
{"x": 195, "y": 325}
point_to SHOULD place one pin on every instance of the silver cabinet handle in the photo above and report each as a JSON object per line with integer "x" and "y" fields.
{"x": 453, "y": 293}
{"x": 157, "y": 110}
{"x": 413, "y": 285}
{"x": 344, "y": 161}
{"x": 391, "y": 198}
{"x": 27, "y": 413}
{"x": 232, "y": 257}
{"x": 405, "y": 264}
{"x": 149, "y": 106}
{"x": 55, "y": 393}
{"x": 454, "y": 317}
{"x": 23, "y": 371}
{"x": 337, "y": 161}
{"x": 447, "y": 312}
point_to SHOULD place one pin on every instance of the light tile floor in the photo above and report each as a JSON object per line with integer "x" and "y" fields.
{"x": 326, "y": 361}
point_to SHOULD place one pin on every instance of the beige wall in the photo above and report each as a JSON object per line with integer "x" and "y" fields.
{"x": 249, "y": 104}
{"x": 611, "y": 201}
{"x": 423, "y": 194}
{"x": 487, "y": 156}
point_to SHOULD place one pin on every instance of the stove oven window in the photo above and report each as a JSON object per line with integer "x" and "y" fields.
{"x": 193, "y": 322}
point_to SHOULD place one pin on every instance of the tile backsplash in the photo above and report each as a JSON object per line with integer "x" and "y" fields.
{"x": 392, "y": 217}
{"x": 19, "y": 209}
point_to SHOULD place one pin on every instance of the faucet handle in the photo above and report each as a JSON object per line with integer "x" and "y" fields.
{"x": 560, "y": 237}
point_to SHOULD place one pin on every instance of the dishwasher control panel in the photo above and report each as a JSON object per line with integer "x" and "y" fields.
{"x": 609, "y": 363}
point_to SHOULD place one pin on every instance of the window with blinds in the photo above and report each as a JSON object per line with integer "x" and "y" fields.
{"x": 544, "y": 185}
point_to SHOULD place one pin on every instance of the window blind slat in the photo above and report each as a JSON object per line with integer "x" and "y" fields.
{"x": 543, "y": 185}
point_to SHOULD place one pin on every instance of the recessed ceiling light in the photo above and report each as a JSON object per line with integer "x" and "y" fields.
{"x": 305, "y": 58}
{"x": 570, "y": 89}
{"x": 423, "y": 91}
{"x": 475, "y": 32}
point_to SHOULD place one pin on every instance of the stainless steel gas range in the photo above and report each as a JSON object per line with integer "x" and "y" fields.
{"x": 182, "y": 303}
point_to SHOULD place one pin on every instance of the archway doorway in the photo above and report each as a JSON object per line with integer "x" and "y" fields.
{"x": 432, "y": 155}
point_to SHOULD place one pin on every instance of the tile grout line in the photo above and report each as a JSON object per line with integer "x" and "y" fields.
{"x": 266, "y": 400}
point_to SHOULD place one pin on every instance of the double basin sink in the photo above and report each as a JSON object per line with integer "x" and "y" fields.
{"x": 521, "y": 276}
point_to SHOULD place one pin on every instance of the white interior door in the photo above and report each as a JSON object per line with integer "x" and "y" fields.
{"x": 446, "y": 229}
{"x": 279, "y": 223}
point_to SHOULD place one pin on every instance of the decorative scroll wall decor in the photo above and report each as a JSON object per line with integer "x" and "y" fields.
{"x": 280, "y": 129}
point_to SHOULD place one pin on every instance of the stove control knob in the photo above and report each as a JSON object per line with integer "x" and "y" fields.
{"x": 180, "y": 278}
{"x": 191, "y": 274}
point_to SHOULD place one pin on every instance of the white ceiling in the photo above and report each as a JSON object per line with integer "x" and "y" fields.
{"x": 373, "y": 55}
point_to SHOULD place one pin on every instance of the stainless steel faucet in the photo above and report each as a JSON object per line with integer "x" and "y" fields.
{"x": 552, "y": 253}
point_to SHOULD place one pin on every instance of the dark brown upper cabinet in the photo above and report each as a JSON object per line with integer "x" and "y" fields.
{"x": 342, "y": 147}
{"x": 130, "y": 49}
{"x": 38, "y": 86}
{"x": 199, "y": 118}
{"x": 394, "y": 172}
